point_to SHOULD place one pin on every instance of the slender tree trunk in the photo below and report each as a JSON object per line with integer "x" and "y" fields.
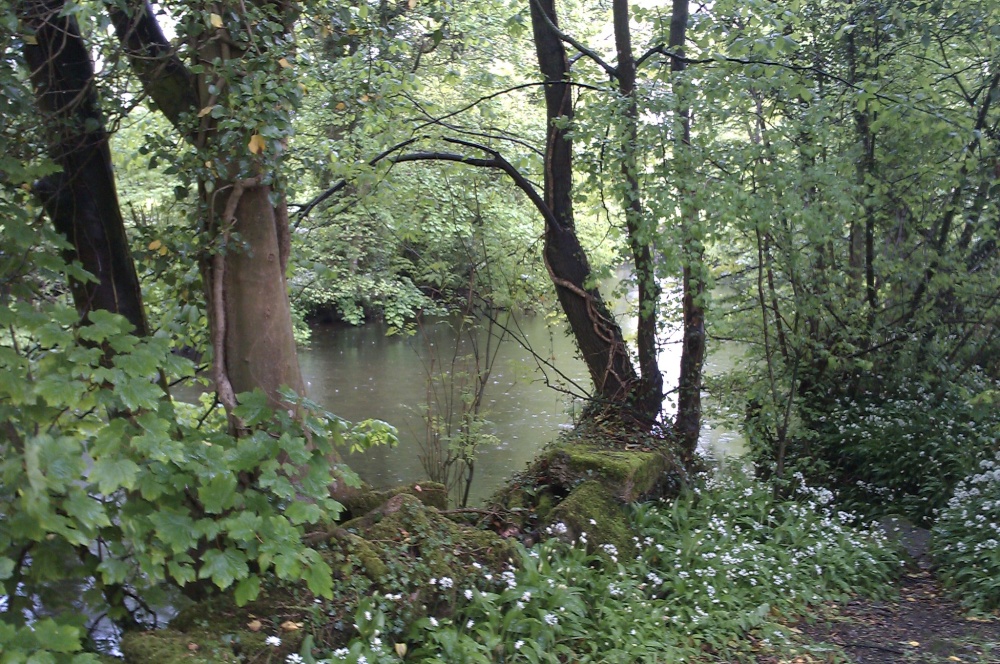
{"x": 82, "y": 200}
{"x": 649, "y": 394}
{"x": 688, "y": 420}
{"x": 597, "y": 334}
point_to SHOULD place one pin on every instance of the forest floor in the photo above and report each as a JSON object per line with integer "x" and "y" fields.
{"x": 918, "y": 623}
{"x": 921, "y": 624}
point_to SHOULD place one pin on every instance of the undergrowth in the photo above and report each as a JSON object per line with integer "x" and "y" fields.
{"x": 966, "y": 537}
{"x": 711, "y": 577}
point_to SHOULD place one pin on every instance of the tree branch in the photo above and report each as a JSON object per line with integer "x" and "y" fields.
{"x": 582, "y": 48}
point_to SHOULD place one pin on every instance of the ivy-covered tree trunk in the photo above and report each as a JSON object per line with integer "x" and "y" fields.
{"x": 81, "y": 200}
{"x": 242, "y": 210}
{"x": 597, "y": 333}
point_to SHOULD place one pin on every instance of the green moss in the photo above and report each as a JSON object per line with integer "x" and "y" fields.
{"x": 591, "y": 508}
{"x": 630, "y": 474}
{"x": 169, "y": 646}
{"x": 432, "y": 494}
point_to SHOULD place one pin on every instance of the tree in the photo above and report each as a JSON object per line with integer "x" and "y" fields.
{"x": 235, "y": 114}
{"x": 81, "y": 200}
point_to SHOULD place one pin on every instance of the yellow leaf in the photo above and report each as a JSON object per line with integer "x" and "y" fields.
{"x": 365, "y": 97}
{"x": 31, "y": 40}
{"x": 340, "y": 106}
{"x": 914, "y": 643}
{"x": 400, "y": 649}
{"x": 205, "y": 111}
{"x": 352, "y": 31}
{"x": 208, "y": 164}
{"x": 162, "y": 251}
{"x": 411, "y": 4}
{"x": 285, "y": 64}
{"x": 954, "y": 659}
{"x": 254, "y": 625}
{"x": 290, "y": 626}
{"x": 257, "y": 144}
{"x": 215, "y": 20}
{"x": 154, "y": 245}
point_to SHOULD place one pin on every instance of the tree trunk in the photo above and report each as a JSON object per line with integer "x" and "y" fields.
{"x": 246, "y": 292}
{"x": 649, "y": 394}
{"x": 597, "y": 334}
{"x": 82, "y": 200}
{"x": 688, "y": 420}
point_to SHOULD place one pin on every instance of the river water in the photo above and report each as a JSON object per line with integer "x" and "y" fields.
{"x": 361, "y": 373}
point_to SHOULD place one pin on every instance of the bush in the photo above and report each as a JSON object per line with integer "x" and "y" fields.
{"x": 705, "y": 570}
{"x": 966, "y": 540}
{"x": 904, "y": 450}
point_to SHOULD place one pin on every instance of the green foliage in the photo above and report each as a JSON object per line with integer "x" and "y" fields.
{"x": 966, "y": 536}
{"x": 707, "y": 569}
{"x": 106, "y": 481}
{"x": 903, "y": 448}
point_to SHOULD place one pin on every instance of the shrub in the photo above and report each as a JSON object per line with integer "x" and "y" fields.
{"x": 966, "y": 542}
{"x": 904, "y": 450}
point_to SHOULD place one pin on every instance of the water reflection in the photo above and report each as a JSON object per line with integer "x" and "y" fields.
{"x": 360, "y": 373}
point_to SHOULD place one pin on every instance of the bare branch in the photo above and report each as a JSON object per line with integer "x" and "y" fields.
{"x": 582, "y": 48}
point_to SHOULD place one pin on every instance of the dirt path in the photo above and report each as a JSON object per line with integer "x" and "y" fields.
{"x": 922, "y": 625}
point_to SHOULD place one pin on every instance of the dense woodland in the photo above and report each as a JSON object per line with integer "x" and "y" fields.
{"x": 186, "y": 185}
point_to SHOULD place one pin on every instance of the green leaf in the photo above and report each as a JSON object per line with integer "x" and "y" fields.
{"x": 223, "y": 567}
{"x": 217, "y": 494}
{"x": 111, "y": 474}
{"x": 56, "y": 637}
{"x": 252, "y": 408}
{"x": 175, "y": 529}
{"x": 247, "y": 590}
{"x": 302, "y": 512}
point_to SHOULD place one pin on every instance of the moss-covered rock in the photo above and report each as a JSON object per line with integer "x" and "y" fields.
{"x": 630, "y": 475}
{"x": 170, "y": 646}
{"x": 432, "y": 494}
{"x": 592, "y": 509}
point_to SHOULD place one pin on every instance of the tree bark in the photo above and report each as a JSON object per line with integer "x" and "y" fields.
{"x": 688, "y": 420}
{"x": 82, "y": 200}
{"x": 649, "y": 393}
{"x": 598, "y": 335}
{"x": 246, "y": 292}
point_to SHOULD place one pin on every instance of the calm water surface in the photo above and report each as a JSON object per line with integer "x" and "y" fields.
{"x": 360, "y": 373}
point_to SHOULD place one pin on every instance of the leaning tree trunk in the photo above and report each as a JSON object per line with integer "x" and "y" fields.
{"x": 81, "y": 200}
{"x": 688, "y": 420}
{"x": 596, "y": 332}
{"x": 246, "y": 292}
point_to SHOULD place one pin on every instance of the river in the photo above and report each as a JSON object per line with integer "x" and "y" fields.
{"x": 361, "y": 373}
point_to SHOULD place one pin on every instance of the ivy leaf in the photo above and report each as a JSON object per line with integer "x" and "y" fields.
{"x": 223, "y": 567}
